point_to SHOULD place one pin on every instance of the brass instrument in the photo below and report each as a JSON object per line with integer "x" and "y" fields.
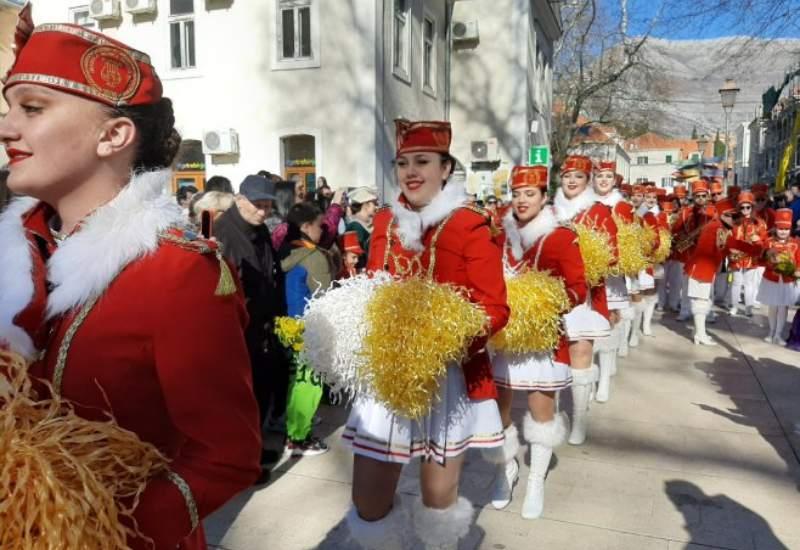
{"x": 685, "y": 241}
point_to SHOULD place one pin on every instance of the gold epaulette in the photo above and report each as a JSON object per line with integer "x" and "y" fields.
{"x": 494, "y": 230}
{"x": 188, "y": 240}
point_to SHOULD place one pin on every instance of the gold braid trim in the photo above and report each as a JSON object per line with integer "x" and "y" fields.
{"x": 226, "y": 285}
{"x": 188, "y": 497}
{"x": 66, "y": 343}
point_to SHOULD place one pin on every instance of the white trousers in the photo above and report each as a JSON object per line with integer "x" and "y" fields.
{"x": 674, "y": 277}
{"x": 744, "y": 285}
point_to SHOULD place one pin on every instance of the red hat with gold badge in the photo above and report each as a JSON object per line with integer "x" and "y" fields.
{"x": 716, "y": 187}
{"x": 680, "y": 191}
{"x": 699, "y": 186}
{"x": 606, "y": 166}
{"x": 667, "y": 206}
{"x": 76, "y": 60}
{"x": 429, "y": 136}
{"x": 529, "y": 176}
{"x": 725, "y": 205}
{"x": 650, "y": 188}
{"x": 745, "y": 197}
{"x": 637, "y": 189}
{"x": 577, "y": 163}
{"x": 783, "y": 218}
{"x": 349, "y": 243}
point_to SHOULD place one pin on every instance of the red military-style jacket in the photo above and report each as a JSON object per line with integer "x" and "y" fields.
{"x": 687, "y": 222}
{"x": 791, "y": 246}
{"x": 600, "y": 216}
{"x": 751, "y": 230}
{"x": 625, "y": 211}
{"x": 467, "y": 257}
{"x": 153, "y": 345}
{"x": 714, "y": 243}
{"x": 558, "y": 253}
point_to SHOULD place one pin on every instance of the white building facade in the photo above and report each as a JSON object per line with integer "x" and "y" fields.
{"x": 656, "y": 165}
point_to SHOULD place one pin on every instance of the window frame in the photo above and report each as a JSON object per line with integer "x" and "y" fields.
{"x": 286, "y": 63}
{"x": 639, "y": 160}
{"x": 430, "y": 87}
{"x": 402, "y": 70}
{"x": 84, "y": 8}
{"x": 668, "y": 159}
{"x": 181, "y": 20}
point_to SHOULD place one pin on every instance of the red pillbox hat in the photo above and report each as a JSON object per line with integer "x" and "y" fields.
{"x": 577, "y": 163}
{"x": 529, "y": 176}
{"x": 680, "y": 191}
{"x": 349, "y": 243}
{"x": 783, "y": 218}
{"x": 745, "y": 197}
{"x": 429, "y": 136}
{"x": 699, "y": 186}
{"x": 606, "y": 166}
{"x": 716, "y": 187}
{"x": 76, "y": 60}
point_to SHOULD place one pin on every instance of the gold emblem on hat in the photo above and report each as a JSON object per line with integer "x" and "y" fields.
{"x": 111, "y": 72}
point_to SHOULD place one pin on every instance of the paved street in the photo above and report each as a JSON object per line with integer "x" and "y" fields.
{"x": 694, "y": 451}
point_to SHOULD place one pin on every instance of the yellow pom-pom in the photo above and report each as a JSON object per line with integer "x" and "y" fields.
{"x": 664, "y": 246}
{"x": 632, "y": 258}
{"x": 649, "y": 236}
{"x": 596, "y": 251}
{"x": 416, "y": 328}
{"x": 537, "y": 301}
{"x": 290, "y": 332}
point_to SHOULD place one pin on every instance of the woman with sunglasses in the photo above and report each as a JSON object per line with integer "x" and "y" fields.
{"x": 744, "y": 268}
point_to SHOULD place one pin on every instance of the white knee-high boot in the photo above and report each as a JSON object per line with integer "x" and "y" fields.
{"x": 780, "y": 322}
{"x": 442, "y": 529}
{"x": 647, "y": 316}
{"x": 605, "y": 360}
{"x": 386, "y": 533}
{"x": 636, "y": 329}
{"x": 627, "y": 315}
{"x": 701, "y": 337}
{"x": 582, "y": 382}
{"x": 507, "y": 470}
{"x": 686, "y": 304}
{"x": 543, "y": 437}
{"x": 772, "y": 318}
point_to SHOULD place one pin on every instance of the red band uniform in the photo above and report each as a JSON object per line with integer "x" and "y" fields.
{"x": 744, "y": 268}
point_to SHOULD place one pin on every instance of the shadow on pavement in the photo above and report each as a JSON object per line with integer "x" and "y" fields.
{"x": 710, "y": 519}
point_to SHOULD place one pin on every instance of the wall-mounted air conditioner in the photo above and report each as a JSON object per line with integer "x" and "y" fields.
{"x": 104, "y": 9}
{"x": 465, "y": 31}
{"x": 485, "y": 151}
{"x": 220, "y": 142}
{"x": 140, "y": 6}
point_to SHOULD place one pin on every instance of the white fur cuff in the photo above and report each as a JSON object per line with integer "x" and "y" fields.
{"x": 443, "y": 527}
{"x": 501, "y": 455}
{"x": 550, "y": 434}
{"x": 375, "y": 535}
{"x": 585, "y": 377}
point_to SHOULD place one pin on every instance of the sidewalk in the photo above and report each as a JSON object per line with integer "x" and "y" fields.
{"x": 694, "y": 451}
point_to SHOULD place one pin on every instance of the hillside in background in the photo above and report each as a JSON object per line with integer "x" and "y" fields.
{"x": 696, "y": 69}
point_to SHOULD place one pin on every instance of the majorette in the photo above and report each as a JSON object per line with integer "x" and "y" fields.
{"x": 744, "y": 268}
{"x": 532, "y": 239}
{"x": 428, "y": 222}
{"x": 576, "y": 203}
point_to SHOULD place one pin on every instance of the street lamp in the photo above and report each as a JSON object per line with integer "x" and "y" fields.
{"x": 702, "y": 141}
{"x": 727, "y": 94}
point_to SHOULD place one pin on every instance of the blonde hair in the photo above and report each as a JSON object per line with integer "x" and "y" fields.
{"x": 213, "y": 200}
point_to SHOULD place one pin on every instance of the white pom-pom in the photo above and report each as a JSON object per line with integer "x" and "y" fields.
{"x": 335, "y": 326}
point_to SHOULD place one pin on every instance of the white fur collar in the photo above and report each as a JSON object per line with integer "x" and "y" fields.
{"x": 86, "y": 263}
{"x": 411, "y": 225}
{"x": 16, "y": 276}
{"x": 522, "y": 238}
{"x": 612, "y": 199}
{"x": 644, "y": 209}
{"x": 567, "y": 209}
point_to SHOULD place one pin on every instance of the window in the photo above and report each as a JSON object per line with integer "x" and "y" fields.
{"x": 429, "y": 55}
{"x": 401, "y": 53}
{"x": 80, "y": 16}
{"x": 695, "y": 156}
{"x": 641, "y": 160}
{"x": 297, "y": 33}
{"x": 182, "y": 34}
{"x": 669, "y": 159}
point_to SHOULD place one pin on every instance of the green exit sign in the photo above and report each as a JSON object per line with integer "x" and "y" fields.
{"x": 539, "y": 156}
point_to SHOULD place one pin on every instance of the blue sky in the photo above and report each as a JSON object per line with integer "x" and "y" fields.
{"x": 688, "y": 19}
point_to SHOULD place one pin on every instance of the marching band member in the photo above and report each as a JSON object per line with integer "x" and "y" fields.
{"x": 689, "y": 223}
{"x": 123, "y": 311}
{"x": 575, "y": 202}
{"x": 638, "y": 284}
{"x": 665, "y": 219}
{"x": 647, "y": 279}
{"x": 676, "y": 259}
{"x": 778, "y": 289}
{"x": 743, "y": 267}
{"x": 533, "y": 239}
{"x": 715, "y": 240}
{"x": 607, "y": 349}
{"x": 429, "y": 225}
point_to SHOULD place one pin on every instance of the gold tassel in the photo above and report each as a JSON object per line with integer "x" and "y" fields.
{"x": 226, "y": 285}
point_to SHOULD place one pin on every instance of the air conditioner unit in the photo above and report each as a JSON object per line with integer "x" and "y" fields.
{"x": 465, "y": 31}
{"x": 104, "y": 9}
{"x": 485, "y": 151}
{"x": 140, "y": 6}
{"x": 220, "y": 142}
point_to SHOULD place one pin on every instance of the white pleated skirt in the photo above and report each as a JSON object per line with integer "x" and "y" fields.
{"x": 583, "y": 323}
{"x": 632, "y": 284}
{"x": 771, "y": 293}
{"x": 455, "y": 424}
{"x": 646, "y": 281}
{"x": 616, "y": 293}
{"x": 530, "y": 372}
